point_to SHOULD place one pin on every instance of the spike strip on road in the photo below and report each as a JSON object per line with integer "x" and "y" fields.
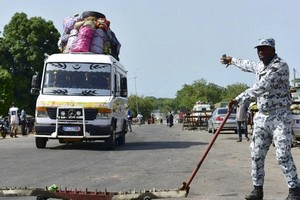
{"x": 90, "y": 195}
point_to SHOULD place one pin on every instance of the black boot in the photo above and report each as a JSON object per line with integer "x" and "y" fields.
{"x": 256, "y": 194}
{"x": 294, "y": 194}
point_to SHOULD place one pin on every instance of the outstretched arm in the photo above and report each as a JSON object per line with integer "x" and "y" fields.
{"x": 245, "y": 65}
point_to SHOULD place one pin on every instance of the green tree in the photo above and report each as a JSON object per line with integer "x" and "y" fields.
{"x": 185, "y": 97}
{"x": 200, "y": 90}
{"x": 145, "y": 105}
{"x": 214, "y": 93}
{"x": 165, "y": 105}
{"x": 6, "y": 91}
{"x": 24, "y": 43}
{"x": 132, "y": 101}
{"x": 234, "y": 90}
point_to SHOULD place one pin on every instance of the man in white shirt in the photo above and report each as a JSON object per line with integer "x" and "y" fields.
{"x": 139, "y": 117}
{"x": 14, "y": 120}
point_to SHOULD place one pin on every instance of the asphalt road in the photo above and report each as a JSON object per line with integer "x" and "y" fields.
{"x": 154, "y": 156}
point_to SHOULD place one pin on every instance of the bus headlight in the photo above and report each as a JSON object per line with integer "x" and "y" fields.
{"x": 104, "y": 114}
{"x": 41, "y": 112}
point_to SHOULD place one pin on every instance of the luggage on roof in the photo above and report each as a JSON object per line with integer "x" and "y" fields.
{"x": 89, "y": 33}
{"x": 100, "y": 43}
{"x": 92, "y": 14}
{"x": 71, "y": 41}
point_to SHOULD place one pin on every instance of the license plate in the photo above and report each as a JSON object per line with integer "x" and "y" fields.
{"x": 71, "y": 128}
{"x": 71, "y": 139}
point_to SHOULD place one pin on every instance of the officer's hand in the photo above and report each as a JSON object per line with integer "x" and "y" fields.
{"x": 226, "y": 60}
{"x": 232, "y": 103}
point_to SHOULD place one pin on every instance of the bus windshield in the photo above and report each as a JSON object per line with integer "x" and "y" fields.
{"x": 77, "y": 79}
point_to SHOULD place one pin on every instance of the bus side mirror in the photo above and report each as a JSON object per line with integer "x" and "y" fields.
{"x": 35, "y": 83}
{"x": 124, "y": 87}
{"x": 34, "y": 91}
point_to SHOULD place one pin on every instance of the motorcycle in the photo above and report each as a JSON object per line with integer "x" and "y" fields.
{"x": 4, "y": 130}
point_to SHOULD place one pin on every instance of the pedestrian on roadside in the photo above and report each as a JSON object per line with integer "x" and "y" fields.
{"x": 129, "y": 119}
{"x": 273, "y": 119}
{"x": 23, "y": 121}
{"x": 171, "y": 119}
{"x": 168, "y": 119}
{"x": 14, "y": 120}
{"x": 242, "y": 120}
{"x": 139, "y": 117}
{"x": 152, "y": 118}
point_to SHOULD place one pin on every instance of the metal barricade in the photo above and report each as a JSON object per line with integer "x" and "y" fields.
{"x": 195, "y": 120}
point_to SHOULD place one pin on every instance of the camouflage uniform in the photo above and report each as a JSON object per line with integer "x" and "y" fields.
{"x": 273, "y": 119}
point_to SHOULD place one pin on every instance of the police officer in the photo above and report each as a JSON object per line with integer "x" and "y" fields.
{"x": 273, "y": 119}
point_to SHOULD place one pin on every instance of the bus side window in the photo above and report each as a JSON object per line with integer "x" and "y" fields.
{"x": 115, "y": 84}
{"x": 123, "y": 86}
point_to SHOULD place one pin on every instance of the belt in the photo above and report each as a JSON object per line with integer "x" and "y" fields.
{"x": 272, "y": 112}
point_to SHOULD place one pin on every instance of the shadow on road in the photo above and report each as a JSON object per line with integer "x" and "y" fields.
{"x": 131, "y": 146}
{"x": 154, "y": 145}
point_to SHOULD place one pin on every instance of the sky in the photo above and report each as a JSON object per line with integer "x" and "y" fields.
{"x": 169, "y": 43}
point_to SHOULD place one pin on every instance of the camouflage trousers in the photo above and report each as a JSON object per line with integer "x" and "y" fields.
{"x": 267, "y": 127}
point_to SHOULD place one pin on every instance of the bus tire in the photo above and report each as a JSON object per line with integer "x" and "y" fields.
{"x": 40, "y": 142}
{"x": 110, "y": 142}
{"x": 122, "y": 136}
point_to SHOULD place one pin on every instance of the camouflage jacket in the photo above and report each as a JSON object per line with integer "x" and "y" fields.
{"x": 271, "y": 88}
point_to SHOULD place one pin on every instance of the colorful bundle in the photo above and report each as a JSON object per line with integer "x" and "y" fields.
{"x": 100, "y": 43}
{"x": 71, "y": 42}
{"x": 85, "y": 35}
{"x": 89, "y": 33}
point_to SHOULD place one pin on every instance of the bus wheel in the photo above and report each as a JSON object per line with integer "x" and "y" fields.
{"x": 121, "y": 139}
{"x": 40, "y": 142}
{"x": 110, "y": 142}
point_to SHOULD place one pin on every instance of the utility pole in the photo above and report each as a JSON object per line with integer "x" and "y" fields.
{"x": 136, "y": 97}
{"x": 294, "y": 70}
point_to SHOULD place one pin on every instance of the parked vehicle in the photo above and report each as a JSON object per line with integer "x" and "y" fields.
{"x": 218, "y": 116}
{"x": 201, "y": 109}
{"x": 82, "y": 97}
{"x": 4, "y": 127}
